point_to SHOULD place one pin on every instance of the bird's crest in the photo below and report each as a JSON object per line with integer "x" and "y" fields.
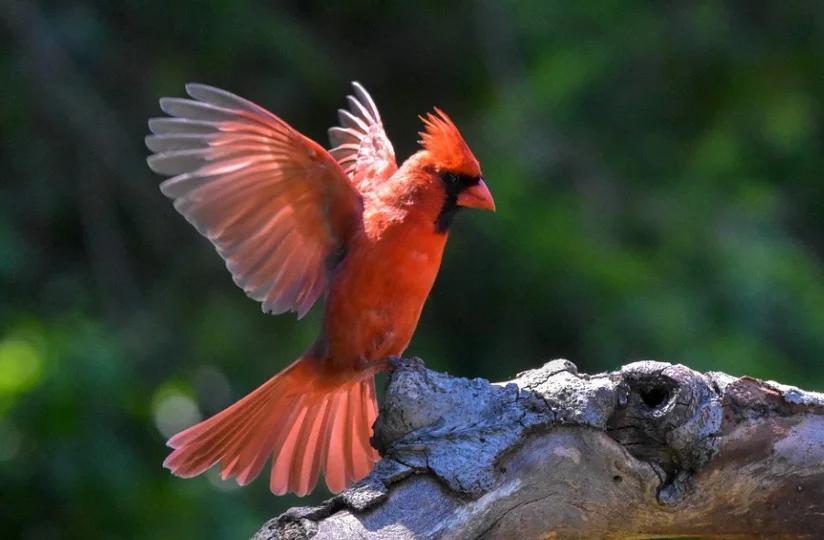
{"x": 446, "y": 146}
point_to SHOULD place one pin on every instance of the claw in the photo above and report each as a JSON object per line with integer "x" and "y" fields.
{"x": 390, "y": 363}
{"x": 399, "y": 362}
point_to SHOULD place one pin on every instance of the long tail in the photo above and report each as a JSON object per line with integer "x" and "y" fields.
{"x": 306, "y": 425}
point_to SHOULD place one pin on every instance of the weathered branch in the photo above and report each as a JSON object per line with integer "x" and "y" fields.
{"x": 651, "y": 450}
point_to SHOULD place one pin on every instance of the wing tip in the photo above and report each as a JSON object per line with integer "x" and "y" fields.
{"x": 194, "y": 87}
{"x": 152, "y": 161}
{"x": 366, "y": 100}
{"x": 167, "y": 104}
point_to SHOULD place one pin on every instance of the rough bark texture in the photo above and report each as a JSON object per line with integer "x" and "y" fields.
{"x": 651, "y": 450}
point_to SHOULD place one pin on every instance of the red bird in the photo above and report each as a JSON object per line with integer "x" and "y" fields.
{"x": 294, "y": 223}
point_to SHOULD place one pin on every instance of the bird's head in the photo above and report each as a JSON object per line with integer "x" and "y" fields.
{"x": 452, "y": 176}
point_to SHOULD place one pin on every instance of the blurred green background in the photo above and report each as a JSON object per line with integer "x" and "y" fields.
{"x": 657, "y": 168}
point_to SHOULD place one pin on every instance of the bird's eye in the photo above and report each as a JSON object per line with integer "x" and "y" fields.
{"x": 450, "y": 179}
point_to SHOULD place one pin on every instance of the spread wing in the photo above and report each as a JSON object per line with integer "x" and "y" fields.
{"x": 274, "y": 203}
{"x": 360, "y": 145}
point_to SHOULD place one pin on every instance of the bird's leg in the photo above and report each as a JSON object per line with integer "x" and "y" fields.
{"x": 389, "y": 363}
{"x": 372, "y": 367}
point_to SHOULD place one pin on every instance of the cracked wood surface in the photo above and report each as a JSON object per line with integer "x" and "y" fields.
{"x": 651, "y": 450}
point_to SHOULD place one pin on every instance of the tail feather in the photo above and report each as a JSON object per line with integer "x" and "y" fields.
{"x": 280, "y": 481}
{"x": 317, "y": 443}
{"x": 257, "y": 455}
{"x": 256, "y": 445}
{"x": 243, "y": 438}
{"x": 302, "y": 450}
{"x": 308, "y": 427}
{"x": 207, "y": 425}
{"x": 202, "y": 445}
{"x": 326, "y": 438}
{"x": 348, "y": 434}
{"x": 303, "y": 466}
{"x": 369, "y": 404}
{"x": 335, "y": 465}
{"x": 360, "y": 458}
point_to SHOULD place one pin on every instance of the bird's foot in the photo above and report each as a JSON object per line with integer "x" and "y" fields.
{"x": 400, "y": 362}
{"x": 390, "y": 363}
{"x": 372, "y": 367}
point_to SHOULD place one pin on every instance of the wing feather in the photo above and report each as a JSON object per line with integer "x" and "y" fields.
{"x": 360, "y": 144}
{"x": 274, "y": 203}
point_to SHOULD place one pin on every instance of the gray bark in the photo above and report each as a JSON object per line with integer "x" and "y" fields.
{"x": 651, "y": 450}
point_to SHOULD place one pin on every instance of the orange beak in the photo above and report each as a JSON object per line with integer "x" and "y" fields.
{"x": 477, "y": 196}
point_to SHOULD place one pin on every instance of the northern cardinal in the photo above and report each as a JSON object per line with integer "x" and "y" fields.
{"x": 295, "y": 222}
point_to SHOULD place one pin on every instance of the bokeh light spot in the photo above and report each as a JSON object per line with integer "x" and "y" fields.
{"x": 21, "y": 366}
{"x": 173, "y": 411}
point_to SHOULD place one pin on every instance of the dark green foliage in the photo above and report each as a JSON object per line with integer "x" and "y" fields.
{"x": 657, "y": 168}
